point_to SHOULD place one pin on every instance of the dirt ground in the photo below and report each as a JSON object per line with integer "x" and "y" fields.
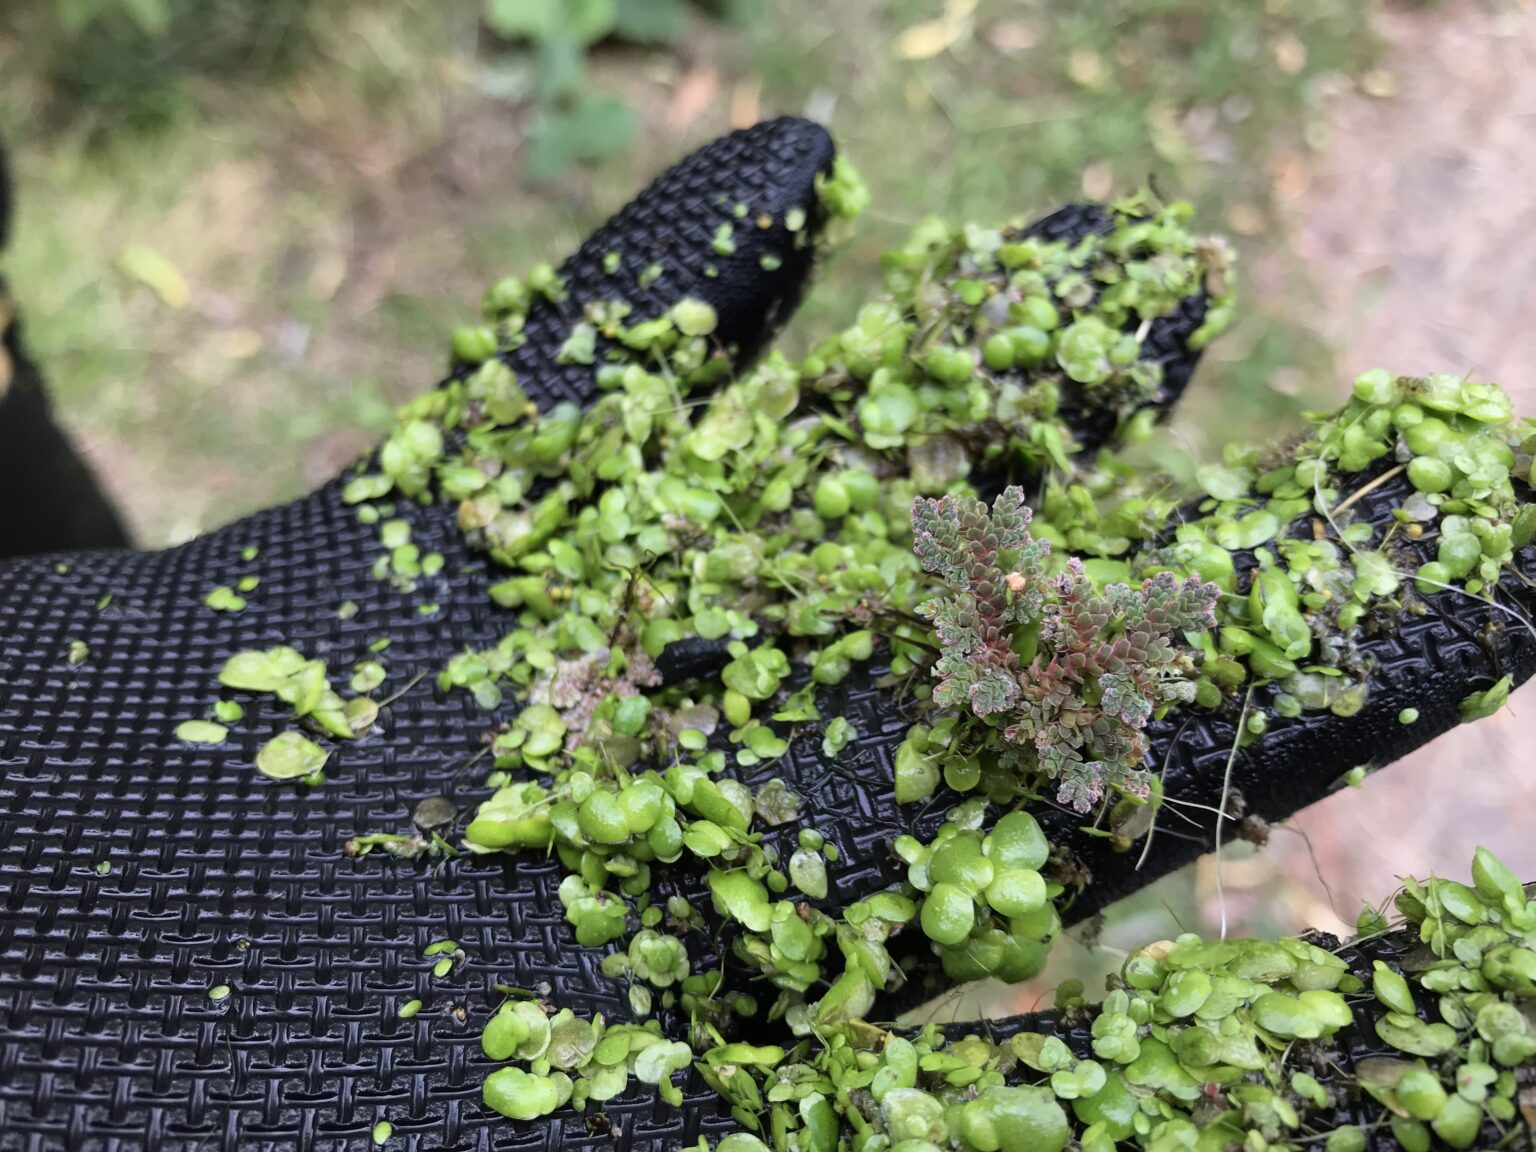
{"x": 1418, "y": 224}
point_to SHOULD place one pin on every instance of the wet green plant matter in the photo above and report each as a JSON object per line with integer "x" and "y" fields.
{"x": 820, "y": 515}
{"x": 1198, "y": 1045}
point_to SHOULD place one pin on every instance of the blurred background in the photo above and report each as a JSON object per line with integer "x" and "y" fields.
{"x": 245, "y": 227}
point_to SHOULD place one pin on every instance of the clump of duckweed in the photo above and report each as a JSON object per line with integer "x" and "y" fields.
{"x": 1219, "y": 1043}
{"x": 780, "y": 506}
{"x": 304, "y": 685}
{"x": 811, "y": 517}
{"x": 775, "y": 519}
{"x": 986, "y": 905}
{"x": 1323, "y": 573}
{"x": 1304, "y": 577}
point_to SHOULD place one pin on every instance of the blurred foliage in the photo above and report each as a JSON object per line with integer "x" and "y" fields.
{"x": 572, "y": 122}
{"x": 122, "y": 62}
{"x": 985, "y": 110}
{"x": 117, "y": 63}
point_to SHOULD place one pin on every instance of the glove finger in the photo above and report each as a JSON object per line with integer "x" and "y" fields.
{"x": 1422, "y": 668}
{"x": 1062, "y": 331}
{"x": 954, "y": 313}
{"x": 733, "y": 225}
{"x": 1418, "y": 655}
{"x": 1170, "y": 346}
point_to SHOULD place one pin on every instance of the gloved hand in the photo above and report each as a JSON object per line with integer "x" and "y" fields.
{"x": 144, "y": 869}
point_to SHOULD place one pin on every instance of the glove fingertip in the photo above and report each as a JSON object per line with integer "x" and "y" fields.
{"x": 733, "y": 225}
{"x": 1168, "y": 343}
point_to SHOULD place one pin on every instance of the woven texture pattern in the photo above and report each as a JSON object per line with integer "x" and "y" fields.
{"x": 1430, "y": 662}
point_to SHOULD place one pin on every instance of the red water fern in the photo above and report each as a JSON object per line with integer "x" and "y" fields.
{"x": 1058, "y": 665}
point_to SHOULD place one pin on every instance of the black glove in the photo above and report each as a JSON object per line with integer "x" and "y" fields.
{"x": 140, "y": 872}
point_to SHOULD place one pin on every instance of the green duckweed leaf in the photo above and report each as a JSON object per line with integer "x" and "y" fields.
{"x": 290, "y": 756}
{"x": 201, "y": 732}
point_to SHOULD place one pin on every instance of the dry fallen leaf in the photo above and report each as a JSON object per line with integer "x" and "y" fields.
{"x": 925, "y": 41}
{"x": 1245, "y": 219}
{"x": 693, "y": 94}
{"x": 1086, "y": 67}
{"x": 1013, "y": 36}
{"x": 1290, "y": 177}
{"x": 1380, "y": 83}
{"x": 918, "y": 98}
{"x": 326, "y": 277}
{"x": 746, "y": 101}
{"x": 1098, "y": 180}
{"x": 155, "y": 272}
{"x": 1290, "y": 54}
{"x": 1166, "y": 131}
{"x": 240, "y": 343}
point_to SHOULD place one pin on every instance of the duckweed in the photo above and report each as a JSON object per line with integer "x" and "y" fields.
{"x": 291, "y": 756}
{"x": 1196, "y": 1041}
{"x": 809, "y": 516}
{"x": 201, "y": 732}
{"x": 1480, "y": 705}
{"x": 224, "y": 599}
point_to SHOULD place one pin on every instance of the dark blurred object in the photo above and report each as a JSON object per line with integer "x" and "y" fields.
{"x": 49, "y": 501}
{"x": 120, "y": 62}
{"x": 5, "y": 201}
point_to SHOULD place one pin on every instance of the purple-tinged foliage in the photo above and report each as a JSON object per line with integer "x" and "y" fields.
{"x": 1063, "y": 669}
{"x": 960, "y": 542}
